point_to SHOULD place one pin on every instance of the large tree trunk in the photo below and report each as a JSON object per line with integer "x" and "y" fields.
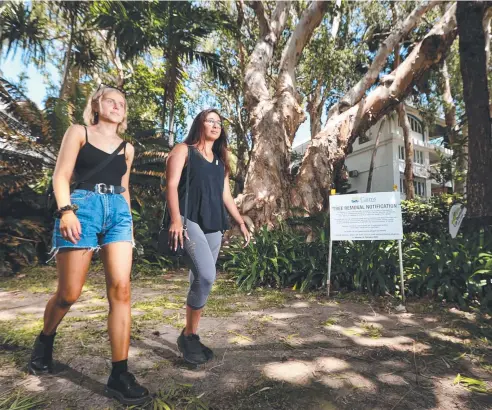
{"x": 407, "y": 138}
{"x": 275, "y": 118}
{"x": 473, "y": 65}
{"x": 330, "y": 146}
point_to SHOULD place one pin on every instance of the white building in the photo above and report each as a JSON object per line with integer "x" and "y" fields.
{"x": 389, "y": 164}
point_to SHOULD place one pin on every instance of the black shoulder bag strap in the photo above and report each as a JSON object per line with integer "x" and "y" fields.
{"x": 187, "y": 189}
{"x": 99, "y": 166}
{"x": 188, "y": 166}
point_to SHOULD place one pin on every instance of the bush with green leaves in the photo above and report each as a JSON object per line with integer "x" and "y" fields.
{"x": 457, "y": 270}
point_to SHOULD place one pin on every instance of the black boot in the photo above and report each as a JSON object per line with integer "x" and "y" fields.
{"x": 193, "y": 350}
{"x": 126, "y": 390}
{"x": 42, "y": 355}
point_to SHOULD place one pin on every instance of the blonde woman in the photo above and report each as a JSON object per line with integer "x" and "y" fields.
{"x": 95, "y": 216}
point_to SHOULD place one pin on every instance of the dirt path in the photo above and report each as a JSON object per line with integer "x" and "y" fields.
{"x": 274, "y": 350}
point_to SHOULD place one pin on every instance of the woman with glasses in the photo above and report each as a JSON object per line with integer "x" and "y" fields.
{"x": 95, "y": 216}
{"x": 208, "y": 199}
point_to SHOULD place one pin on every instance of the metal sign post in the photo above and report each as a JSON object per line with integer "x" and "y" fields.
{"x": 328, "y": 282}
{"x": 400, "y": 253}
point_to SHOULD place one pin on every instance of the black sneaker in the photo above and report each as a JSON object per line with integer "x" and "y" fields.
{"x": 192, "y": 349}
{"x": 41, "y": 360}
{"x": 209, "y": 354}
{"x": 126, "y": 390}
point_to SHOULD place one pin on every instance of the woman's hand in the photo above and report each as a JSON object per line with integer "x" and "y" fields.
{"x": 246, "y": 234}
{"x": 176, "y": 234}
{"x": 70, "y": 228}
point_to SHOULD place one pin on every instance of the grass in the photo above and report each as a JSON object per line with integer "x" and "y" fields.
{"x": 221, "y": 307}
{"x": 20, "y": 332}
{"x": 32, "y": 280}
{"x": 330, "y": 322}
{"x": 272, "y": 299}
{"x": 372, "y": 331}
{"x": 161, "y": 302}
{"x": 178, "y": 396}
{"x": 470, "y": 384}
{"x": 19, "y": 399}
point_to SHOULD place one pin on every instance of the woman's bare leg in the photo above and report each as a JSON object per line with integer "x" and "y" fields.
{"x": 72, "y": 266}
{"x": 117, "y": 259}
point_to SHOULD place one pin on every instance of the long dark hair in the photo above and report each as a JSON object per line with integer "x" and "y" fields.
{"x": 220, "y": 145}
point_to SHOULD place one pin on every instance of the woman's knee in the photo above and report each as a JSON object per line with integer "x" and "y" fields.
{"x": 66, "y": 299}
{"x": 119, "y": 292}
{"x": 207, "y": 280}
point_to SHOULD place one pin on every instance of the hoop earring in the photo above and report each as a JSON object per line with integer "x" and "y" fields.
{"x": 96, "y": 117}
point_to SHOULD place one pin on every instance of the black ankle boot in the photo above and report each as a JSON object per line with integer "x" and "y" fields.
{"x": 127, "y": 390}
{"x": 42, "y": 355}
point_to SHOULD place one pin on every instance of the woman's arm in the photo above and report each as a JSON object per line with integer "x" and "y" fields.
{"x": 70, "y": 147}
{"x": 73, "y": 139}
{"x": 125, "y": 180}
{"x": 174, "y": 167}
{"x": 233, "y": 211}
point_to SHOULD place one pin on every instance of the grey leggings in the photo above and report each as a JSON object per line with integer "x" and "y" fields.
{"x": 202, "y": 250}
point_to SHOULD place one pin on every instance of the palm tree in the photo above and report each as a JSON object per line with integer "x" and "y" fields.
{"x": 25, "y": 27}
{"x": 187, "y": 25}
{"x": 27, "y": 157}
{"x": 176, "y": 28}
{"x": 74, "y": 14}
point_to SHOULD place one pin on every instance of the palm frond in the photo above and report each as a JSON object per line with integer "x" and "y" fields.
{"x": 21, "y": 27}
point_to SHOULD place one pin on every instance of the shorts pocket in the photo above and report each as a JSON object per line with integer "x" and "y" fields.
{"x": 122, "y": 205}
{"x": 80, "y": 195}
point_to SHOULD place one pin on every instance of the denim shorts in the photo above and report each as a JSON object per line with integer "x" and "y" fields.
{"x": 104, "y": 218}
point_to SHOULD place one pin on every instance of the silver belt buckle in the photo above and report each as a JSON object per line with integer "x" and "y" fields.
{"x": 101, "y": 188}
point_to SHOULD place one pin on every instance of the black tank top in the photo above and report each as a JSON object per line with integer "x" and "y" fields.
{"x": 205, "y": 195}
{"x": 89, "y": 157}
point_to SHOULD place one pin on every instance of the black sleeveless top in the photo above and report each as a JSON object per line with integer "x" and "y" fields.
{"x": 205, "y": 195}
{"x": 89, "y": 157}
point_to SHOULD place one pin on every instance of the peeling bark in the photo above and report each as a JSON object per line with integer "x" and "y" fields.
{"x": 330, "y": 146}
{"x": 315, "y": 109}
{"x": 274, "y": 119}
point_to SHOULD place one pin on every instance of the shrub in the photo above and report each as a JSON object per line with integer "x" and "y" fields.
{"x": 457, "y": 270}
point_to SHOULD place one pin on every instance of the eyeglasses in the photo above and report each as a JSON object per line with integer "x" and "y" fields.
{"x": 212, "y": 122}
{"x": 102, "y": 86}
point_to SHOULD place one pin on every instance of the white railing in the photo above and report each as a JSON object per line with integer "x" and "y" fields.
{"x": 419, "y": 143}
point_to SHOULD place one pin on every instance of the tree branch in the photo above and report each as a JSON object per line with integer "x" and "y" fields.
{"x": 256, "y": 87}
{"x": 280, "y": 15}
{"x": 310, "y": 19}
{"x": 354, "y": 95}
{"x": 331, "y": 145}
{"x": 263, "y": 20}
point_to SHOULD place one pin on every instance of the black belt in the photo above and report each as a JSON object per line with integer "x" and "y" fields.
{"x": 101, "y": 188}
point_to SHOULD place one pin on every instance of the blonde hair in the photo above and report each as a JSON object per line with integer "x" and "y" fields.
{"x": 94, "y": 105}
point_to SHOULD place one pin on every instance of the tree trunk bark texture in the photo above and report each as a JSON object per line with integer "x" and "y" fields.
{"x": 473, "y": 66}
